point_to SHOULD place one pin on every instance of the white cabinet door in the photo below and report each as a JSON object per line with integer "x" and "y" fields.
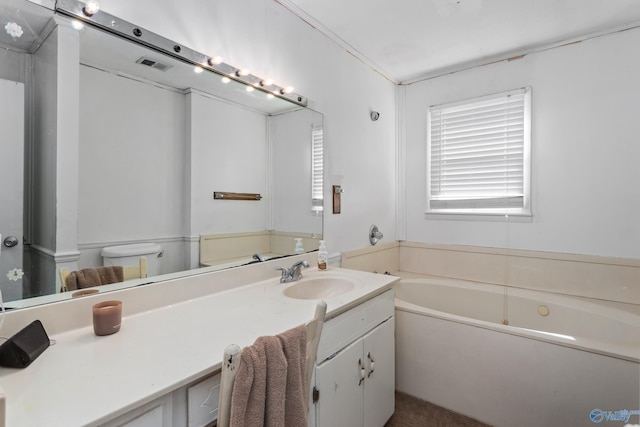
{"x": 379, "y": 390}
{"x": 341, "y": 389}
{"x": 357, "y": 386}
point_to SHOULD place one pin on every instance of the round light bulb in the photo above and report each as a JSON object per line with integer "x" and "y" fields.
{"x": 266, "y": 82}
{"x": 215, "y": 60}
{"x": 91, "y": 7}
{"x": 250, "y": 89}
{"x": 242, "y": 73}
{"x": 226, "y": 79}
{"x": 77, "y": 25}
{"x": 197, "y": 69}
{"x": 286, "y": 90}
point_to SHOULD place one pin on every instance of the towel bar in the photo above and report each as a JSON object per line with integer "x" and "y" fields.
{"x": 225, "y": 195}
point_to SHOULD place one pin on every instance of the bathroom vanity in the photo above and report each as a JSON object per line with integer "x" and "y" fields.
{"x": 162, "y": 367}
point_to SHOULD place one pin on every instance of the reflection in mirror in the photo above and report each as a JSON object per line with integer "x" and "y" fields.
{"x": 132, "y": 154}
{"x": 23, "y": 27}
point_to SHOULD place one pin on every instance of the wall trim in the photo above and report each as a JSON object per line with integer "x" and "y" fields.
{"x": 102, "y": 244}
{"x": 54, "y": 257}
{"x": 401, "y": 184}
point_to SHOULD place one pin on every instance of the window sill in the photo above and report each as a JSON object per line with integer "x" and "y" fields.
{"x": 486, "y": 217}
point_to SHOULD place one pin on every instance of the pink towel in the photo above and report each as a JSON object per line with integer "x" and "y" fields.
{"x": 89, "y": 277}
{"x": 294, "y": 345}
{"x": 269, "y": 387}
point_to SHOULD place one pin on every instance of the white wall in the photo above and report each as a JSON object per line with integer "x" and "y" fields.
{"x": 13, "y": 65}
{"x": 585, "y": 174}
{"x": 131, "y": 159}
{"x": 263, "y": 36}
{"x": 291, "y": 171}
{"x": 151, "y": 158}
{"x": 228, "y": 153}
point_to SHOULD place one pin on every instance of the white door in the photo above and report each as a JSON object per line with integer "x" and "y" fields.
{"x": 11, "y": 187}
{"x": 341, "y": 387}
{"x": 379, "y": 392}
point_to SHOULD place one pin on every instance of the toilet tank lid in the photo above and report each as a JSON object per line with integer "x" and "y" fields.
{"x": 131, "y": 250}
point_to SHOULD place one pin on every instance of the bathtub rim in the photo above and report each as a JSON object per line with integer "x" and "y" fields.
{"x": 623, "y": 352}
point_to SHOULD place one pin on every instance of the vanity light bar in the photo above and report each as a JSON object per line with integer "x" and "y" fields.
{"x": 111, "y": 24}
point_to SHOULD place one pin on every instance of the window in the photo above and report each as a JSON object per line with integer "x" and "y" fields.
{"x": 478, "y": 155}
{"x": 317, "y": 169}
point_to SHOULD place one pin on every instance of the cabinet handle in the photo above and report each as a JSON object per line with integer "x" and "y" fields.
{"x": 362, "y": 371}
{"x": 372, "y": 364}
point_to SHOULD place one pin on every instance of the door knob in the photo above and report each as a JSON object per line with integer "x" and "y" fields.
{"x": 10, "y": 241}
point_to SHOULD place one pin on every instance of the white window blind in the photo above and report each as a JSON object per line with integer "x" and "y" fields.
{"x": 317, "y": 168}
{"x": 478, "y": 155}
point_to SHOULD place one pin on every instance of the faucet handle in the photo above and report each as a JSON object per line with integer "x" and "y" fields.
{"x": 296, "y": 269}
{"x": 285, "y": 273}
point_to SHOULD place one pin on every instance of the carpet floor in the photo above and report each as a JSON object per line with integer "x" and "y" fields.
{"x": 413, "y": 412}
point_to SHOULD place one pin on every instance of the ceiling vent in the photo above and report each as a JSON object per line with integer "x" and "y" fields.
{"x": 153, "y": 64}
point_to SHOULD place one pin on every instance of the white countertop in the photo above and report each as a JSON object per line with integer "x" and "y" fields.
{"x": 86, "y": 380}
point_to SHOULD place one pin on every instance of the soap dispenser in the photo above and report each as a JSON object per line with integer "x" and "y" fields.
{"x": 322, "y": 256}
{"x": 299, "y": 249}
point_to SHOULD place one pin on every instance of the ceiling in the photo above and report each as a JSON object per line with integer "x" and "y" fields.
{"x": 410, "y": 40}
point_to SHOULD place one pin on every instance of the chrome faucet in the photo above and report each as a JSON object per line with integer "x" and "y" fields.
{"x": 259, "y": 258}
{"x": 294, "y": 273}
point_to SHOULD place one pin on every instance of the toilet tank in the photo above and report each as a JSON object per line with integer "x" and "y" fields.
{"x": 130, "y": 255}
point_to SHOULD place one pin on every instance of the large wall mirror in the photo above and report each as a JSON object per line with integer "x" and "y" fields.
{"x": 113, "y": 143}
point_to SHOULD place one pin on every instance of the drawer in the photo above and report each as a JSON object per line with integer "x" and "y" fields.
{"x": 344, "y": 329}
{"x": 157, "y": 413}
{"x": 202, "y": 401}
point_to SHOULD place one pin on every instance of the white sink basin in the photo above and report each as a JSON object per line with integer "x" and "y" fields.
{"x": 318, "y": 288}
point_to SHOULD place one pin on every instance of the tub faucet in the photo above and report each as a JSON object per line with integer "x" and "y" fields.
{"x": 294, "y": 273}
{"x": 259, "y": 257}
